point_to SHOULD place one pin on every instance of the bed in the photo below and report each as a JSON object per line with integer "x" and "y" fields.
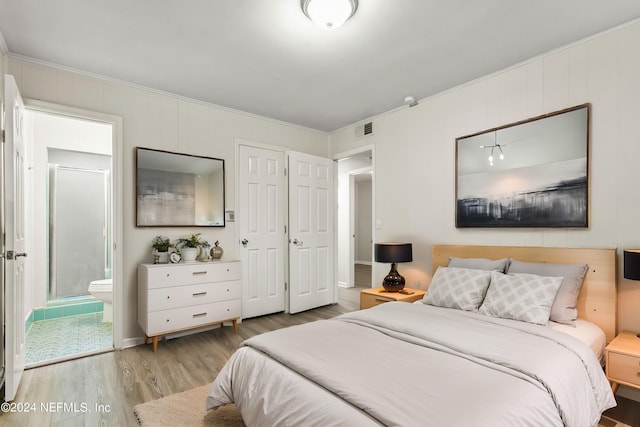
{"x": 401, "y": 364}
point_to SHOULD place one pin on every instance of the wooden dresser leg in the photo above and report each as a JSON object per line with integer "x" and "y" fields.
{"x": 235, "y": 326}
{"x": 614, "y": 387}
{"x": 155, "y": 343}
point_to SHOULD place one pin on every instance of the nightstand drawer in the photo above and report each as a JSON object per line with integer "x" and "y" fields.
{"x": 623, "y": 368}
{"x": 368, "y": 300}
{"x": 375, "y": 296}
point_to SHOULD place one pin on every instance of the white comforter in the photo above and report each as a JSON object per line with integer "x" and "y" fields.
{"x": 402, "y": 364}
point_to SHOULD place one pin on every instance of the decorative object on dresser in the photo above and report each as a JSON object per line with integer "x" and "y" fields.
{"x": 623, "y": 360}
{"x": 161, "y": 245}
{"x": 375, "y": 296}
{"x": 178, "y": 297}
{"x": 216, "y": 251}
{"x": 393, "y": 253}
{"x": 191, "y": 246}
{"x": 541, "y": 179}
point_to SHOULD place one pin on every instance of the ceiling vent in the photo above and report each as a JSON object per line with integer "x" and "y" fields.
{"x": 364, "y": 130}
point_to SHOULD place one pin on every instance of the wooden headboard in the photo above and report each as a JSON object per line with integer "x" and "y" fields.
{"x": 598, "y": 297}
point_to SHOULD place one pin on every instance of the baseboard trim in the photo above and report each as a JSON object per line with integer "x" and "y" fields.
{"x": 132, "y": 342}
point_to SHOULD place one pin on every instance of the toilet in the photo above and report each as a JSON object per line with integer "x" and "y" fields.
{"x": 103, "y": 291}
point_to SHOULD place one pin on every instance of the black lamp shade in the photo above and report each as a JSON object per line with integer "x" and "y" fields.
{"x": 393, "y": 252}
{"x": 632, "y": 264}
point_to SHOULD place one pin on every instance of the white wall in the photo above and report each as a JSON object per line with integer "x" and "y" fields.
{"x": 161, "y": 121}
{"x": 415, "y": 155}
{"x": 363, "y": 224}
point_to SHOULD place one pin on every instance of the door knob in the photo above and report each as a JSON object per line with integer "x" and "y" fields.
{"x": 12, "y": 255}
{"x": 297, "y": 242}
{"x": 244, "y": 242}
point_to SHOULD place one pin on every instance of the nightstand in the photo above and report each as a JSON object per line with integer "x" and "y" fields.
{"x": 374, "y": 296}
{"x": 623, "y": 360}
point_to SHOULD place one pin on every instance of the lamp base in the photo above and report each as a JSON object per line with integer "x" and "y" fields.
{"x": 393, "y": 282}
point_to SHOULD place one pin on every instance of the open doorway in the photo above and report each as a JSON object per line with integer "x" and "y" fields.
{"x": 355, "y": 198}
{"x": 71, "y": 294}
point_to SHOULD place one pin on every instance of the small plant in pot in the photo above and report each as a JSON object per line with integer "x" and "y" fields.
{"x": 189, "y": 246}
{"x": 161, "y": 245}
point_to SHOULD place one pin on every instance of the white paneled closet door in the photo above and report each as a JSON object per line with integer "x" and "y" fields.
{"x": 311, "y": 216}
{"x": 261, "y": 223}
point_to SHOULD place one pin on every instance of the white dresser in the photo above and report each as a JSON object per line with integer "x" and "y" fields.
{"x": 177, "y": 297}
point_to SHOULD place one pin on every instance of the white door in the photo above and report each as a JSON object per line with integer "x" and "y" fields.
{"x": 310, "y": 232}
{"x": 261, "y": 224}
{"x": 14, "y": 244}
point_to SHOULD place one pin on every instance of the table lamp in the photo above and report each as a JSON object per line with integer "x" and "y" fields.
{"x": 632, "y": 266}
{"x": 393, "y": 253}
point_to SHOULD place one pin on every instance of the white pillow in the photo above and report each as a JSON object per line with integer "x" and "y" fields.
{"x": 461, "y": 288}
{"x": 524, "y": 297}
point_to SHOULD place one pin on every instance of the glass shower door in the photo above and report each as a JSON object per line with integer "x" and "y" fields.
{"x": 78, "y": 221}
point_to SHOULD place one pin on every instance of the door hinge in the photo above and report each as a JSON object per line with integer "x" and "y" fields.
{"x": 285, "y": 171}
{"x": 285, "y": 229}
{"x": 285, "y": 286}
{"x": 2, "y": 136}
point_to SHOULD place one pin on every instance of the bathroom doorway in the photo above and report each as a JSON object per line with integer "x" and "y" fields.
{"x": 72, "y": 176}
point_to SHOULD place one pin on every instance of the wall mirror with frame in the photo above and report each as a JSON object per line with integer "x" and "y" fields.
{"x": 179, "y": 190}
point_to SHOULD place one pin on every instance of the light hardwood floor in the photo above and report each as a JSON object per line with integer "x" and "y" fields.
{"x": 102, "y": 390}
{"x": 115, "y": 382}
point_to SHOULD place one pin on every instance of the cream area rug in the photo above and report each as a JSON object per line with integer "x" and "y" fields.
{"x": 187, "y": 409}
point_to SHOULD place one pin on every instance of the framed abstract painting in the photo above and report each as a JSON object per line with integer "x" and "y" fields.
{"x": 533, "y": 173}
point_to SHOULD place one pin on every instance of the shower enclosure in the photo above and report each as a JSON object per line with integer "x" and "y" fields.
{"x": 79, "y": 231}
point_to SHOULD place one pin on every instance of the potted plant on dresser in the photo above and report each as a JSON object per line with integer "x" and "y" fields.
{"x": 190, "y": 245}
{"x": 161, "y": 245}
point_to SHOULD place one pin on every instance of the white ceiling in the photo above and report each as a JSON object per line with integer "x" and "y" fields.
{"x": 265, "y": 57}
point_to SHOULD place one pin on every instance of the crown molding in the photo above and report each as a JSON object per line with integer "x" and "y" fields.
{"x": 157, "y": 91}
{"x": 3, "y": 45}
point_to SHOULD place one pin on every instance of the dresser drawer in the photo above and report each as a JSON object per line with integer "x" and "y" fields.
{"x": 188, "y": 295}
{"x": 623, "y": 368}
{"x": 161, "y": 322}
{"x": 191, "y": 274}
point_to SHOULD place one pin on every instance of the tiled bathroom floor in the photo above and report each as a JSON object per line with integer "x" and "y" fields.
{"x": 67, "y": 336}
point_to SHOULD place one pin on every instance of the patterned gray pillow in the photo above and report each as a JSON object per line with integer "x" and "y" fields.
{"x": 563, "y": 309}
{"x": 479, "y": 263}
{"x": 461, "y": 288}
{"x": 524, "y": 297}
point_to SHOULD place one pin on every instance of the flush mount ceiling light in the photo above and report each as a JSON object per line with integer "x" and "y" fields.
{"x": 329, "y": 14}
